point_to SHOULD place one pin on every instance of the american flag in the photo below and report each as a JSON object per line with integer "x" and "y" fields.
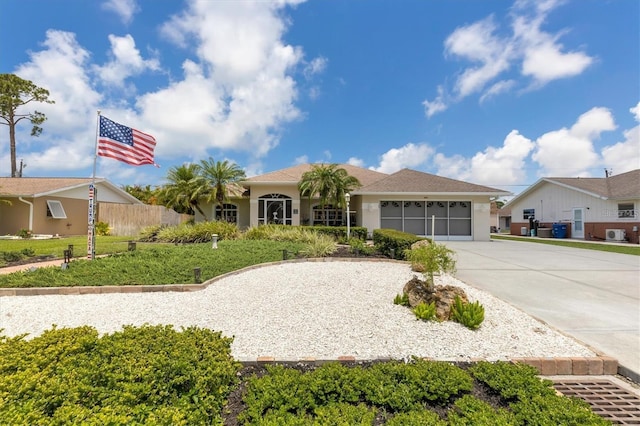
{"x": 125, "y": 144}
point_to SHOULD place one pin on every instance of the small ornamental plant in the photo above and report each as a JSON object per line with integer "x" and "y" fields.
{"x": 431, "y": 260}
{"x": 401, "y": 299}
{"x": 470, "y": 315}
{"x": 425, "y": 311}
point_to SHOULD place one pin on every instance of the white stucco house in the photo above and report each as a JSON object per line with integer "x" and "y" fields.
{"x": 408, "y": 200}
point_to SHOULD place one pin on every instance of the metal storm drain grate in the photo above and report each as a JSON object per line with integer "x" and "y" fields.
{"x": 606, "y": 397}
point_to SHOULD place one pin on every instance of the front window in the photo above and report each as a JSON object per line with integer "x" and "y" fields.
{"x": 626, "y": 211}
{"x": 227, "y": 213}
{"x": 327, "y": 215}
{"x": 529, "y": 214}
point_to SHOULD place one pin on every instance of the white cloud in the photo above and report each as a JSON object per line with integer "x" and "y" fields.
{"x": 125, "y": 9}
{"x": 478, "y": 43}
{"x": 241, "y": 92}
{"x": 493, "y": 166}
{"x": 636, "y": 111}
{"x": 540, "y": 56}
{"x": 437, "y": 105}
{"x": 504, "y": 165}
{"x": 69, "y": 132}
{"x": 570, "y": 152}
{"x": 625, "y": 156}
{"x": 354, "y": 161}
{"x": 303, "y": 159}
{"x": 498, "y": 88}
{"x": 126, "y": 61}
{"x": 316, "y": 66}
{"x": 409, "y": 156}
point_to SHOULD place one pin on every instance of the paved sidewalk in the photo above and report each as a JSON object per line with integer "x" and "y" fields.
{"x": 591, "y": 295}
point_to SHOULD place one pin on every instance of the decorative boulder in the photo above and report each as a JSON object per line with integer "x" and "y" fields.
{"x": 443, "y": 296}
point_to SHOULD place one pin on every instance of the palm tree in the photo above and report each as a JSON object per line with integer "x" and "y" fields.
{"x": 185, "y": 188}
{"x": 329, "y": 183}
{"x": 222, "y": 178}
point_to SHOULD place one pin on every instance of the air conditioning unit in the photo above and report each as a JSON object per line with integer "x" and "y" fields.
{"x": 616, "y": 234}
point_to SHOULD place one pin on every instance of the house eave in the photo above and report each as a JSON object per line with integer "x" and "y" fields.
{"x": 433, "y": 194}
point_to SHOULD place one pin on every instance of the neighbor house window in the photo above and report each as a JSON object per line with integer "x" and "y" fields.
{"x": 55, "y": 210}
{"x": 626, "y": 210}
{"x": 529, "y": 214}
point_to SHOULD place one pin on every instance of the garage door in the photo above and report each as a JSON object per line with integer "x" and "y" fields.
{"x": 452, "y": 218}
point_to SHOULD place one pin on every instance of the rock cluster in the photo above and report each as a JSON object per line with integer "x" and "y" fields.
{"x": 418, "y": 291}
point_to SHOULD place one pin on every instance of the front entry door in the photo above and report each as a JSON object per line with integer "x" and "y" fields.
{"x": 275, "y": 211}
{"x": 577, "y": 225}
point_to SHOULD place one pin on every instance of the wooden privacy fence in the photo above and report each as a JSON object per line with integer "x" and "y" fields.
{"x": 129, "y": 219}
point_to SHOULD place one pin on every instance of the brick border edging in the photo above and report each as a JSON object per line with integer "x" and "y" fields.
{"x": 570, "y": 366}
{"x": 108, "y": 289}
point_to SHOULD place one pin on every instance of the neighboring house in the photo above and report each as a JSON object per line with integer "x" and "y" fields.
{"x": 407, "y": 200}
{"x": 591, "y": 208}
{"x": 504, "y": 219}
{"x": 53, "y": 205}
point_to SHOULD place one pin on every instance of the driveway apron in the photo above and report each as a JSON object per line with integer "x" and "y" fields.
{"x": 591, "y": 295}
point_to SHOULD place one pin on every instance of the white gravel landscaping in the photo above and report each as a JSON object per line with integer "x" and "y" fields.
{"x": 297, "y": 310}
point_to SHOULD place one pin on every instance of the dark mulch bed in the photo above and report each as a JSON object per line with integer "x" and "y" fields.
{"x": 235, "y": 404}
{"x": 28, "y": 260}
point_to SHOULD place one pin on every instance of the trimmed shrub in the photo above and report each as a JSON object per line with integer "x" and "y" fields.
{"x": 386, "y": 240}
{"x": 416, "y": 418}
{"x": 200, "y": 232}
{"x": 140, "y": 375}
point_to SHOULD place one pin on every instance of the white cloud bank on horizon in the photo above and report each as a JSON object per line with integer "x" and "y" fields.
{"x": 566, "y": 152}
{"x": 538, "y": 54}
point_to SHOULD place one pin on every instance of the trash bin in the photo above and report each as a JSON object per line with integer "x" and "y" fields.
{"x": 559, "y": 230}
{"x": 523, "y": 231}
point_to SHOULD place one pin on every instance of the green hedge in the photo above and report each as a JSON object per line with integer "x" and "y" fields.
{"x": 340, "y": 232}
{"x": 140, "y": 375}
{"x": 386, "y": 240}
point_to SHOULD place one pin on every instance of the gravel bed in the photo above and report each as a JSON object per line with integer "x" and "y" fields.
{"x": 297, "y": 310}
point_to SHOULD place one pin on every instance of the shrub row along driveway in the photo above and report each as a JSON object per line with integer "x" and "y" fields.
{"x": 591, "y": 295}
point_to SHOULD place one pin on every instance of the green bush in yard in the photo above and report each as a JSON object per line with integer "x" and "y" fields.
{"x": 425, "y": 311}
{"x": 416, "y": 418}
{"x": 199, "y": 232}
{"x": 148, "y": 374}
{"x": 533, "y": 400}
{"x": 386, "y": 240}
{"x": 470, "y": 411}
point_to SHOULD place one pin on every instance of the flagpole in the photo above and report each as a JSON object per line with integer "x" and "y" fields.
{"x": 93, "y": 194}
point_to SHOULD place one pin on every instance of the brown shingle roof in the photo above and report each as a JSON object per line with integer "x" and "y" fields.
{"x": 618, "y": 187}
{"x": 412, "y": 181}
{"x": 20, "y": 187}
{"x": 293, "y": 175}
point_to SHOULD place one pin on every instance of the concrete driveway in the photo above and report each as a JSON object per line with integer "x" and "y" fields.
{"x": 591, "y": 295}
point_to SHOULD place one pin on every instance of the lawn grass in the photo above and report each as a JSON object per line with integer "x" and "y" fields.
{"x": 156, "y": 264}
{"x": 611, "y": 248}
{"x": 55, "y": 246}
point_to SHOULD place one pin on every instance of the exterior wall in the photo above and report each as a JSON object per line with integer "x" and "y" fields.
{"x": 555, "y": 204}
{"x": 15, "y": 217}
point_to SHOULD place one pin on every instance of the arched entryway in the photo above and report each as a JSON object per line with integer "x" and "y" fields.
{"x": 274, "y": 209}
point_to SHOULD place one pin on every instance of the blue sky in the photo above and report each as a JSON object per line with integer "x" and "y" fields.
{"x": 498, "y": 92}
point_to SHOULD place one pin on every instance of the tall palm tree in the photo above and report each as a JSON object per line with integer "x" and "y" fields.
{"x": 185, "y": 188}
{"x": 222, "y": 178}
{"x": 329, "y": 183}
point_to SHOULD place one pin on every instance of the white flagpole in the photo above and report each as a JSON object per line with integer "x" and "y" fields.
{"x": 91, "y": 231}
